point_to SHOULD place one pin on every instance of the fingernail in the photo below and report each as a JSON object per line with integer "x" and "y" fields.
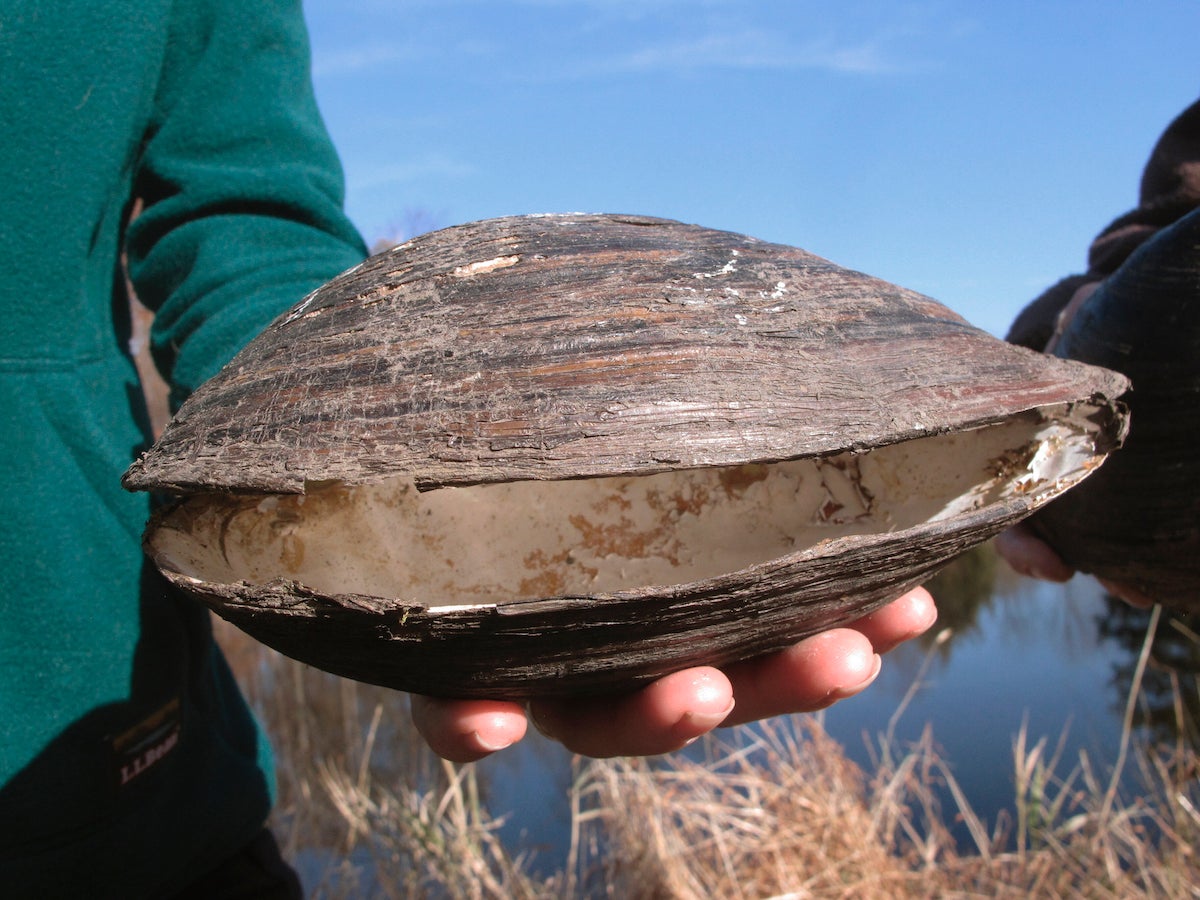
{"x": 493, "y": 745}
{"x": 931, "y": 617}
{"x": 845, "y": 693}
{"x": 707, "y": 720}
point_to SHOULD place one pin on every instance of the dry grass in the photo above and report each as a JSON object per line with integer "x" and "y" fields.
{"x": 427, "y": 842}
{"x": 362, "y": 797}
{"x": 785, "y": 814}
{"x": 782, "y": 813}
{"x": 777, "y": 810}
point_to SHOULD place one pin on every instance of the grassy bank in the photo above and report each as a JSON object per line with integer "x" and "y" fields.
{"x": 777, "y": 810}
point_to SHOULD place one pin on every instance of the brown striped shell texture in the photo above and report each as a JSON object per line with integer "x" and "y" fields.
{"x": 565, "y": 454}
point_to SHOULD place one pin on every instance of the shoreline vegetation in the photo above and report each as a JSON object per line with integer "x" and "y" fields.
{"x": 776, "y": 810}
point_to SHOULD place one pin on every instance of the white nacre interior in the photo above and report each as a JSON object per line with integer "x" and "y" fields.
{"x": 496, "y": 543}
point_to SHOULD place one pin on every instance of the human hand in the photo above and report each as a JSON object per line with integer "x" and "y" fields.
{"x": 678, "y": 708}
{"x": 1029, "y": 555}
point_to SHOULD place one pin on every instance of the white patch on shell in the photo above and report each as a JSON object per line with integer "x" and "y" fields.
{"x": 484, "y": 266}
{"x": 298, "y": 311}
{"x": 728, "y": 269}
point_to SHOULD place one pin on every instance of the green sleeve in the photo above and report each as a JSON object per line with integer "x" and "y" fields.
{"x": 241, "y": 188}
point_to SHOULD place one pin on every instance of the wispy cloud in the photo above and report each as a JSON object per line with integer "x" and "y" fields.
{"x": 757, "y": 49}
{"x": 589, "y": 38}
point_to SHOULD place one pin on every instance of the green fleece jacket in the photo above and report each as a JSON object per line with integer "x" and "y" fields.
{"x": 128, "y": 761}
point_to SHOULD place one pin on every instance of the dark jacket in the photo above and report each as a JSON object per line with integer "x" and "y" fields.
{"x": 1170, "y": 189}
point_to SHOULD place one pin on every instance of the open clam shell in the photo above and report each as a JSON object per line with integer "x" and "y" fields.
{"x": 1138, "y": 521}
{"x": 565, "y": 454}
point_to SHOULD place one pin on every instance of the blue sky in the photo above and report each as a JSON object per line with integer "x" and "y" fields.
{"x": 968, "y": 150}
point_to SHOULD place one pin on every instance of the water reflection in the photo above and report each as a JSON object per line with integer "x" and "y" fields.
{"x": 978, "y": 583}
{"x": 1169, "y": 702}
{"x": 962, "y": 590}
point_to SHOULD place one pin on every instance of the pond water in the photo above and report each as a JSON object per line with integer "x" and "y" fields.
{"x": 1056, "y": 659}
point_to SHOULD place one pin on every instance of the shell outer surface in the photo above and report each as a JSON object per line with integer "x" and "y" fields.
{"x": 565, "y": 346}
{"x": 547, "y": 348}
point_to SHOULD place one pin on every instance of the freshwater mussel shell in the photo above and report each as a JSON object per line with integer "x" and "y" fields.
{"x": 1137, "y": 522}
{"x": 595, "y": 346}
